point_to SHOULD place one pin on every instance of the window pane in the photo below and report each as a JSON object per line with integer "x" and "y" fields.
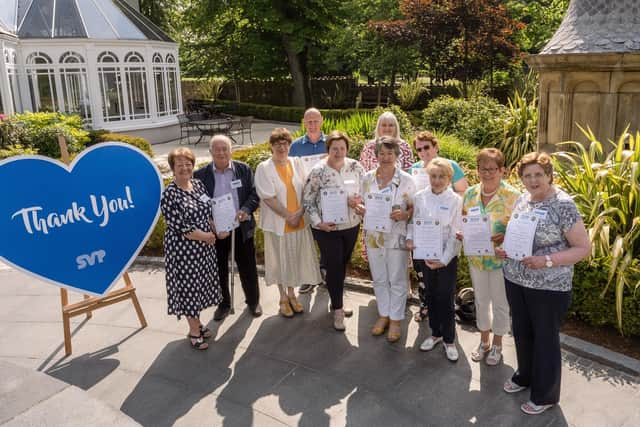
{"x": 42, "y": 90}
{"x": 111, "y": 99}
{"x": 173, "y": 90}
{"x": 138, "y": 103}
{"x": 97, "y": 25}
{"x": 38, "y": 21}
{"x": 158, "y": 77}
{"x": 15, "y": 91}
{"x": 74, "y": 92}
{"x": 68, "y": 22}
{"x": 124, "y": 27}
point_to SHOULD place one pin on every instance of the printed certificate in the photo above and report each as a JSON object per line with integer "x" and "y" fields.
{"x": 518, "y": 239}
{"x": 224, "y": 213}
{"x": 420, "y": 178}
{"x": 333, "y": 202}
{"x": 309, "y": 162}
{"x": 427, "y": 237}
{"x": 476, "y": 235}
{"x": 377, "y": 216}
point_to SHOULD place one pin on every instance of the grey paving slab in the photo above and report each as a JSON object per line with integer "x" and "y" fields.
{"x": 275, "y": 371}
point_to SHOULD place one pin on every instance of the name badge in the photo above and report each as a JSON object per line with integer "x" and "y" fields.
{"x": 236, "y": 183}
{"x": 474, "y": 211}
{"x": 204, "y": 198}
{"x": 541, "y": 214}
{"x": 444, "y": 208}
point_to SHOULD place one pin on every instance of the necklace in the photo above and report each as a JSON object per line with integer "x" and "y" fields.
{"x": 488, "y": 194}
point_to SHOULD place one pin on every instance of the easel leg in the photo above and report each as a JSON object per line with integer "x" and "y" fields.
{"x": 66, "y": 326}
{"x": 134, "y": 300}
{"x": 89, "y": 314}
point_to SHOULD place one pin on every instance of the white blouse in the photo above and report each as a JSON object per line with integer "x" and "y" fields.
{"x": 269, "y": 185}
{"x": 446, "y": 207}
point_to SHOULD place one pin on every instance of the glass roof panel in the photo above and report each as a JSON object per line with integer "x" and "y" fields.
{"x": 95, "y": 23}
{"x": 145, "y": 25}
{"x": 23, "y": 6}
{"x": 8, "y": 14}
{"x": 68, "y": 22}
{"x": 37, "y": 23}
{"x": 124, "y": 27}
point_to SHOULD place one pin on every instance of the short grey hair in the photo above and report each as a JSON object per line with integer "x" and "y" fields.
{"x": 389, "y": 143}
{"x": 219, "y": 138}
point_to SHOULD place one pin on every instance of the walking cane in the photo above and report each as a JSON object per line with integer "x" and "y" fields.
{"x": 231, "y": 272}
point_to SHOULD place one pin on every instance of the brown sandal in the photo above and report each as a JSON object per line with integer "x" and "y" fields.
{"x": 395, "y": 331}
{"x": 285, "y": 308}
{"x": 295, "y": 305}
{"x": 380, "y": 326}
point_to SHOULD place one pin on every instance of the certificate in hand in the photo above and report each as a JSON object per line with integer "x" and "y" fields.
{"x": 308, "y": 162}
{"x": 377, "y": 216}
{"x": 420, "y": 178}
{"x": 333, "y": 202}
{"x": 427, "y": 237}
{"x": 518, "y": 239}
{"x": 476, "y": 232}
{"x": 224, "y": 213}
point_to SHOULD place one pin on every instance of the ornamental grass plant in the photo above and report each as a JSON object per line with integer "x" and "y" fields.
{"x": 606, "y": 189}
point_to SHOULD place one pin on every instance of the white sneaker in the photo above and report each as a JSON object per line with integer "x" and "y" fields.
{"x": 478, "y": 354}
{"x": 451, "y": 351}
{"x": 495, "y": 354}
{"x": 429, "y": 343}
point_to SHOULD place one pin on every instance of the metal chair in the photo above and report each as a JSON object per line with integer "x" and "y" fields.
{"x": 186, "y": 128}
{"x": 241, "y": 126}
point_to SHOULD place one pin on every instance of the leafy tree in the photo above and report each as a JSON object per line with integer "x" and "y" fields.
{"x": 542, "y": 19}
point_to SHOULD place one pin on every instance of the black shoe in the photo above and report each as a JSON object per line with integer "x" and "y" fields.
{"x": 256, "y": 310}
{"x": 220, "y": 313}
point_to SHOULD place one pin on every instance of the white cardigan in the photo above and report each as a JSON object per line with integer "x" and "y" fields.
{"x": 269, "y": 185}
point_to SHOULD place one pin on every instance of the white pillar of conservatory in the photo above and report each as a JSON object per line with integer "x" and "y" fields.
{"x": 5, "y": 85}
{"x": 93, "y": 81}
{"x": 179, "y": 83}
{"x": 151, "y": 83}
{"x": 23, "y": 84}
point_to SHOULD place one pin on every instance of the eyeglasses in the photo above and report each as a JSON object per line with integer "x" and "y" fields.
{"x": 530, "y": 176}
{"x": 488, "y": 171}
{"x": 280, "y": 144}
{"x": 425, "y": 148}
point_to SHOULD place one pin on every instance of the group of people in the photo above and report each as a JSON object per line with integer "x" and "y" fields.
{"x": 311, "y": 190}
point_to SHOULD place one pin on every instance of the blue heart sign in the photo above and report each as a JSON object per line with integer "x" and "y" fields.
{"x": 78, "y": 226}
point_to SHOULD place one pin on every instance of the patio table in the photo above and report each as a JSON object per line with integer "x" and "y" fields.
{"x": 212, "y": 127}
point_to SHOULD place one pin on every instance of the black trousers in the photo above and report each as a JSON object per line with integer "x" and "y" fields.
{"x": 336, "y": 248}
{"x": 441, "y": 285}
{"x": 245, "y": 258}
{"x": 423, "y": 291}
{"x": 537, "y": 315}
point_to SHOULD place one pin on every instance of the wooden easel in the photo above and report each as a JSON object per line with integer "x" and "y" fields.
{"x": 89, "y": 304}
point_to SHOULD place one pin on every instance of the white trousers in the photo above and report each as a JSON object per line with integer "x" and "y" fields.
{"x": 492, "y": 308}
{"x": 389, "y": 275}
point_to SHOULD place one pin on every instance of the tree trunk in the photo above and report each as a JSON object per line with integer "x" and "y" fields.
{"x": 299, "y": 75}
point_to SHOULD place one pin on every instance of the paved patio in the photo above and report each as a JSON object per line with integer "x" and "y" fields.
{"x": 268, "y": 371}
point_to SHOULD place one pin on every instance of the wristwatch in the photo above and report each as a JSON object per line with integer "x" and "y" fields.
{"x": 548, "y": 263}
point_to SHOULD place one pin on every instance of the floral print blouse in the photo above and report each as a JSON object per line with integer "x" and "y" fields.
{"x": 499, "y": 211}
{"x": 402, "y": 189}
{"x": 559, "y": 216}
{"x": 369, "y": 160}
{"x": 324, "y": 176}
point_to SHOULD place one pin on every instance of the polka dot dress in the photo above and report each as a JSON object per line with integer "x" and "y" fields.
{"x": 191, "y": 269}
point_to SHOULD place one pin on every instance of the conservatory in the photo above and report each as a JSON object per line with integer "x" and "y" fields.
{"x": 100, "y": 59}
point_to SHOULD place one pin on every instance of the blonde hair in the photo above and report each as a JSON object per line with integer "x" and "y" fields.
{"x": 181, "y": 152}
{"x": 442, "y": 164}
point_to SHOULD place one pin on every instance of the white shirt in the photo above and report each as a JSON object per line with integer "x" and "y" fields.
{"x": 446, "y": 207}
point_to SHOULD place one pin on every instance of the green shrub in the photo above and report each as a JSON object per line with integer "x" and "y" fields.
{"x": 155, "y": 243}
{"x": 280, "y": 114}
{"x": 520, "y": 131}
{"x": 606, "y": 190}
{"x": 136, "y": 141}
{"x": 40, "y": 131}
{"x": 16, "y": 150}
{"x": 452, "y": 147}
{"x": 356, "y": 126}
{"x": 477, "y": 120}
{"x": 596, "y": 308}
{"x": 409, "y": 94}
{"x": 253, "y": 155}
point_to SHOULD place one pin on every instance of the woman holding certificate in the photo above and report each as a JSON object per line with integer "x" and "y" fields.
{"x": 289, "y": 251}
{"x": 538, "y": 272}
{"x": 431, "y": 234}
{"x": 388, "y": 193}
{"x": 426, "y": 145}
{"x": 331, "y": 193}
{"x": 190, "y": 256}
{"x": 488, "y": 204}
